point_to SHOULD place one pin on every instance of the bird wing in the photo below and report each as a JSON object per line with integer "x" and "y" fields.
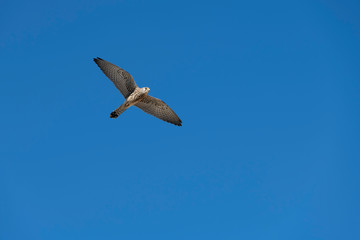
{"x": 121, "y": 78}
{"x": 159, "y": 109}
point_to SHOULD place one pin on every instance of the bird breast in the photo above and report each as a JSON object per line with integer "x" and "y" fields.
{"x": 135, "y": 97}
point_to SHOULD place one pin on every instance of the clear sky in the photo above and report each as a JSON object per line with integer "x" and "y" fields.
{"x": 268, "y": 92}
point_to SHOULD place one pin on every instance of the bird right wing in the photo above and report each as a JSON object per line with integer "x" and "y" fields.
{"x": 159, "y": 109}
{"x": 121, "y": 78}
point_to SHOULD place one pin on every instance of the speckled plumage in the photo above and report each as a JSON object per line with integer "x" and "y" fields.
{"x": 134, "y": 95}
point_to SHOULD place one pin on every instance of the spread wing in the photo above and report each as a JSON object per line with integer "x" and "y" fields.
{"x": 121, "y": 78}
{"x": 159, "y": 109}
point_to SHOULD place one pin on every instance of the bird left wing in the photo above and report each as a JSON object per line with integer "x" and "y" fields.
{"x": 159, "y": 109}
{"x": 121, "y": 78}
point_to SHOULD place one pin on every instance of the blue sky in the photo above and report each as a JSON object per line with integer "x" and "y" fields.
{"x": 268, "y": 92}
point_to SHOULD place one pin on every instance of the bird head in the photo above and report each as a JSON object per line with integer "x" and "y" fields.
{"x": 146, "y": 89}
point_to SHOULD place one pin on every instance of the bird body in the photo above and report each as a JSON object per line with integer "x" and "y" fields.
{"x": 134, "y": 98}
{"x": 134, "y": 95}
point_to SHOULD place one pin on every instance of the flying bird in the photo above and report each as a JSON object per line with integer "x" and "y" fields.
{"x": 134, "y": 95}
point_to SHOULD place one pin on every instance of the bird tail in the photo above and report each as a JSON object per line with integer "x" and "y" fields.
{"x": 118, "y": 111}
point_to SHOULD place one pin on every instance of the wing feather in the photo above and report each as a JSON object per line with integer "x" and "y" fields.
{"x": 121, "y": 78}
{"x": 159, "y": 109}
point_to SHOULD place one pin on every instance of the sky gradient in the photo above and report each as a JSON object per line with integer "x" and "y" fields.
{"x": 268, "y": 92}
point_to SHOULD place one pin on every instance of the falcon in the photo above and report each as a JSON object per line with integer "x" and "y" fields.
{"x": 134, "y": 95}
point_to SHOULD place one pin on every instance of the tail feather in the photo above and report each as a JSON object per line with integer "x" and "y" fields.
{"x": 118, "y": 111}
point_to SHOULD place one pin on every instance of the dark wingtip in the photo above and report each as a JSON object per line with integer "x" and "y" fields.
{"x": 179, "y": 124}
{"x": 97, "y": 59}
